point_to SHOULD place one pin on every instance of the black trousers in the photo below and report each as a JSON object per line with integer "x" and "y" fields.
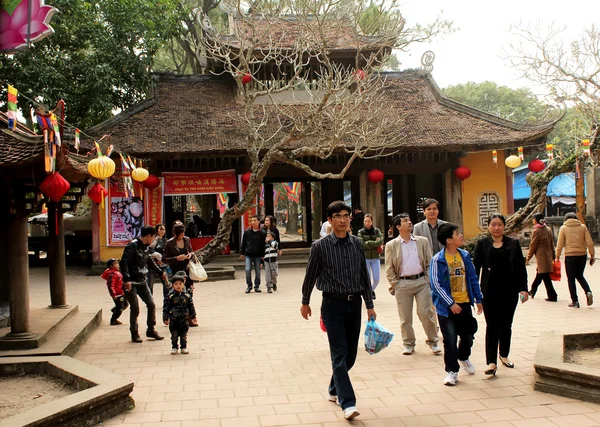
{"x": 499, "y": 312}
{"x": 342, "y": 320}
{"x": 143, "y": 292}
{"x": 179, "y": 329}
{"x": 575, "y": 266}
{"x": 550, "y": 291}
{"x": 120, "y": 306}
{"x": 461, "y": 325}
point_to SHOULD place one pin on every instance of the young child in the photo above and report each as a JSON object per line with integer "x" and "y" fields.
{"x": 454, "y": 289}
{"x": 270, "y": 262}
{"x": 178, "y": 309}
{"x": 114, "y": 283}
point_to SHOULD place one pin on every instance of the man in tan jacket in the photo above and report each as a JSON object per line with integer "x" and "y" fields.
{"x": 407, "y": 259}
{"x": 575, "y": 238}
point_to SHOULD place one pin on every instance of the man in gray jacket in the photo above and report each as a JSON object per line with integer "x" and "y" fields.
{"x": 429, "y": 226}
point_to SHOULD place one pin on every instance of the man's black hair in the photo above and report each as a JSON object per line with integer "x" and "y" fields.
{"x": 398, "y": 219}
{"x": 147, "y": 230}
{"x": 337, "y": 207}
{"x": 445, "y": 232}
{"x": 429, "y": 202}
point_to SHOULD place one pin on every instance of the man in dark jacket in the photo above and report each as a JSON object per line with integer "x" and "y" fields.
{"x": 134, "y": 266}
{"x": 358, "y": 220}
{"x": 252, "y": 250}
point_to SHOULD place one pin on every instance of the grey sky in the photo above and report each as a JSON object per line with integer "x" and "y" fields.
{"x": 474, "y": 52}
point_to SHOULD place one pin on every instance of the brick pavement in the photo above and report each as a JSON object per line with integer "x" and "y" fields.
{"x": 255, "y": 362}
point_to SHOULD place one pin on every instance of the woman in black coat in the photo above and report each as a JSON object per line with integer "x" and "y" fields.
{"x": 500, "y": 264}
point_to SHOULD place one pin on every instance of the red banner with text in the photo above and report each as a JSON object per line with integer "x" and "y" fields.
{"x": 153, "y": 204}
{"x": 178, "y": 183}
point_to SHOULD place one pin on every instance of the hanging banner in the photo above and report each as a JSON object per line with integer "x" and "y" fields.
{"x": 125, "y": 215}
{"x": 178, "y": 183}
{"x": 153, "y": 204}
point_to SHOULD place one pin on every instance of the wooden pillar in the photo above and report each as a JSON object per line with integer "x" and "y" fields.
{"x": 510, "y": 199}
{"x": 18, "y": 275}
{"x": 370, "y": 200}
{"x": 56, "y": 257}
{"x": 453, "y": 199}
{"x": 95, "y": 233}
{"x": 580, "y": 191}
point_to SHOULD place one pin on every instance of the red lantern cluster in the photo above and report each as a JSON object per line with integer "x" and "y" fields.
{"x": 97, "y": 193}
{"x": 246, "y": 178}
{"x": 536, "y": 166}
{"x": 55, "y": 186}
{"x": 247, "y": 78}
{"x": 151, "y": 182}
{"x": 462, "y": 172}
{"x": 375, "y": 175}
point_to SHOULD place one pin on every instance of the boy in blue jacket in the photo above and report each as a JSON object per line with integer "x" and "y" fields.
{"x": 454, "y": 289}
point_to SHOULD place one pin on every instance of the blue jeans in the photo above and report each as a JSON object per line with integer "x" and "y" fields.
{"x": 253, "y": 261}
{"x": 342, "y": 320}
{"x": 374, "y": 268}
{"x": 461, "y": 325}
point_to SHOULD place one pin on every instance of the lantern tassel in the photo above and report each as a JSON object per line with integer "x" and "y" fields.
{"x": 56, "y": 219}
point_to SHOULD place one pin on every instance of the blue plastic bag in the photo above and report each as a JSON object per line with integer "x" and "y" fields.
{"x": 376, "y": 337}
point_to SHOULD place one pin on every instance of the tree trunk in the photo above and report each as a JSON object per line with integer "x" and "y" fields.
{"x": 292, "y": 224}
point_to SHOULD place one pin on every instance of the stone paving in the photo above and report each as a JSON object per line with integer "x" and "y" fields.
{"x": 255, "y": 362}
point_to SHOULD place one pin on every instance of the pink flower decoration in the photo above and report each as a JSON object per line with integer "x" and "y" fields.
{"x": 14, "y": 27}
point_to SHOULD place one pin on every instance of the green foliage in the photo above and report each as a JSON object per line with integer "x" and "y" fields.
{"x": 99, "y": 58}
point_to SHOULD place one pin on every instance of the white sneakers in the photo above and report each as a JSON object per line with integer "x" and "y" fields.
{"x": 408, "y": 350}
{"x": 351, "y": 412}
{"x": 451, "y": 379}
{"x": 173, "y": 351}
{"x": 183, "y": 351}
{"x": 436, "y": 349}
{"x": 333, "y": 398}
{"x": 467, "y": 366}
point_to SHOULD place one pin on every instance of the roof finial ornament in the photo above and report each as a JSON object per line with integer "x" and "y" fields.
{"x": 427, "y": 61}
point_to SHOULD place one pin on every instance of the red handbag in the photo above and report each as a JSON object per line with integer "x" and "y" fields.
{"x": 555, "y": 275}
{"x": 380, "y": 249}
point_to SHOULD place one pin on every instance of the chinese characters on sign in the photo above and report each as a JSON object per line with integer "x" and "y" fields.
{"x": 199, "y": 182}
{"x": 154, "y": 205}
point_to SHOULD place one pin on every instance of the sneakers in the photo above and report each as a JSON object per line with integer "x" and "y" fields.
{"x": 408, "y": 350}
{"x": 174, "y": 351}
{"x": 351, "y": 412}
{"x": 574, "y": 304}
{"x": 436, "y": 349}
{"x": 590, "y": 298}
{"x": 467, "y": 366}
{"x": 451, "y": 379}
{"x": 248, "y": 290}
{"x": 333, "y": 398}
{"x": 185, "y": 351}
{"x": 154, "y": 334}
{"x": 257, "y": 290}
{"x": 270, "y": 290}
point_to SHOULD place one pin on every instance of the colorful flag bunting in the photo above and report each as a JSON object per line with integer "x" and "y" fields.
{"x": 520, "y": 151}
{"x": 77, "y": 141}
{"x": 586, "y": 146}
{"x": 495, "y": 157}
{"x": 12, "y": 107}
{"x": 550, "y": 151}
{"x": 98, "y": 149}
{"x": 55, "y": 129}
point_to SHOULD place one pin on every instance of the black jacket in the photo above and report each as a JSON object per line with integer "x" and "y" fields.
{"x": 358, "y": 222}
{"x": 517, "y": 270}
{"x": 135, "y": 262}
{"x": 178, "y": 305}
{"x": 253, "y": 243}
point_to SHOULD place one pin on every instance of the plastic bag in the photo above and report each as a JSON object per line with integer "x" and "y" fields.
{"x": 197, "y": 272}
{"x": 555, "y": 275}
{"x": 322, "y": 325}
{"x": 376, "y": 337}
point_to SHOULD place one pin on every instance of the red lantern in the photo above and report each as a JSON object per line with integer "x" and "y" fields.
{"x": 97, "y": 193}
{"x": 462, "y": 172}
{"x": 151, "y": 182}
{"x": 55, "y": 186}
{"x": 246, "y": 178}
{"x": 360, "y": 74}
{"x": 536, "y": 166}
{"x": 247, "y": 78}
{"x": 375, "y": 175}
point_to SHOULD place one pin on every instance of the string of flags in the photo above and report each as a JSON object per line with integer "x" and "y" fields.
{"x": 586, "y": 147}
{"x": 550, "y": 151}
{"x": 495, "y": 157}
{"x": 520, "y": 151}
{"x": 12, "y": 106}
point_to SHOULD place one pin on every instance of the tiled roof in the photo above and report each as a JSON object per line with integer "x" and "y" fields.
{"x": 200, "y": 115}
{"x": 17, "y": 149}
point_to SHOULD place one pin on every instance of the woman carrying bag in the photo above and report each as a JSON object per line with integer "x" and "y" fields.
{"x": 371, "y": 240}
{"x": 542, "y": 246}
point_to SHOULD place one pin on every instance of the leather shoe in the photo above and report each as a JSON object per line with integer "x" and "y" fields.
{"x": 194, "y": 322}
{"x": 248, "y": 290}
{"x": 136, "y": 338}
{"x": 551, "y": 300}
{"x": 257, "y": 290}
{"x": 154, "y": 334}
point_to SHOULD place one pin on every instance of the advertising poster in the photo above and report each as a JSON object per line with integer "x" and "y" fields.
{"x": 125, "y": 214}
{"x": 153, "y": 204}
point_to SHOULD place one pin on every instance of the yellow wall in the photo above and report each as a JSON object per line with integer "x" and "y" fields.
{"x": 107, "y": 252}
{"x": 485, "y": 177}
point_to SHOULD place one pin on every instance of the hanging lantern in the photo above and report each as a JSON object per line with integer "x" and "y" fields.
{"x": 55, "y": 186}
{"x": 536, "y": 166}
{"x": 97, "y": 193}
{"x": 140, "y": 174}
{"x": 375, "y": 175}
{"x": 462, "y": 172}
{"x": 247, "y": 78}
{"x": 246, "y": 178}
{"x": 512, "y": 161}
{"x": 151, "y": 182}
{"x": 101, "y": 167}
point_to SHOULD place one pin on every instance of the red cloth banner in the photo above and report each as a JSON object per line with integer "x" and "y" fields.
{"x": 178, "y": 183}
{"x": 125, "y": 215}
{"x": 153, "y": 204}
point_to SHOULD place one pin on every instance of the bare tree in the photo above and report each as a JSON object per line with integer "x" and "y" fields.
{"x": 298, "y": 102}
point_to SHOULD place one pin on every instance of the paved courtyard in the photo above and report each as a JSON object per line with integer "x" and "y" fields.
{"x": 255, "y": 362}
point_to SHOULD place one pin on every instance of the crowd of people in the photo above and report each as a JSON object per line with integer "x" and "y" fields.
{"x": 426, "y": 264}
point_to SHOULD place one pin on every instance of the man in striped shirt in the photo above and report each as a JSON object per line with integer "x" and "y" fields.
{"x": 338, "y": 267}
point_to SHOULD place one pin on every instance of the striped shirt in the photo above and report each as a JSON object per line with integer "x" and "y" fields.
{"x": 337, "y": 266}
{"x": 271, "y": 249}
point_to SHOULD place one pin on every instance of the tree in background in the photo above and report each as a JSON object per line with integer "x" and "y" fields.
{"x": 98, "y": 60}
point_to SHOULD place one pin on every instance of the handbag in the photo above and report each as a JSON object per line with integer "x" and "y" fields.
{"x": 380, "y": 249}
{"x": 197, "y": 272}
{"x": 555, "y": 275}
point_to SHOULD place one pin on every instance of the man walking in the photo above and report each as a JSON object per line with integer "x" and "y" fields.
{"x": 357, "y": 220}
{"x": 337, "y": 265}
{"x": 407, "y": 259}
{"x": 430, "y": 225}
{"x": 252, "y": 250}
{"x": 134, "y": 266}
